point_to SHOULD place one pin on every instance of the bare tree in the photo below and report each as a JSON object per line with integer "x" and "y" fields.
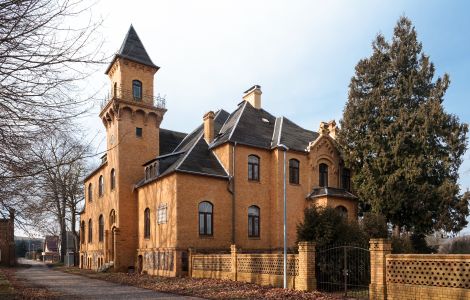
{"x": 60, "y": 190}
{"x": 44, "y": 47}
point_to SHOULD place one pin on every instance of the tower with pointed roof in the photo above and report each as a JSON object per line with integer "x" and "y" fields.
{"x": 132, "y": 117}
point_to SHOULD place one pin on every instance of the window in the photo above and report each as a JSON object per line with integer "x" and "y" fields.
{"x": 323, "y": 169}
{"x": 147, "y": 223}
{"x": 162, "y": 213}
{"x": 82, "y": 232}
{"x": 90, "y": 193}
{"x": 101, "y": 228}
{"x": 90, "y": 231}
{"x": 205, "y": 218}
{"x": 137, "y": 89}
{"x": 253, "y": 221}
{"x": 343, "y": 212}
{"x": 115, "y": 90}
{"x": 138, "y": 132}
{"x": 113, "y": 179}
{"x": 112, "y": 217}
{"x": 294, "y": 171}
{"x": 101, "y": 186}
{"x": 253, "y": 167}
{"x": 346, "y": 179}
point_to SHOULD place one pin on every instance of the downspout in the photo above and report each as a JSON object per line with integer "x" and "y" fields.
{"x": 233, "y": 192}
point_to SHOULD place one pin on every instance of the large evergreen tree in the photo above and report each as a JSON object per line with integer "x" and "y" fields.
{"x": 404, "y": 149}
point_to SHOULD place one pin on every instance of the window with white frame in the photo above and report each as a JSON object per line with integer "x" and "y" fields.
{"x": 162, "y": 214}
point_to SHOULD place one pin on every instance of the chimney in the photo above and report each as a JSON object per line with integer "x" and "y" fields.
{"x": 332, "y": 128}
{"x": 209, "y": 126}
{"x": 253, "y": 95}
{"x": 324, "y": 130}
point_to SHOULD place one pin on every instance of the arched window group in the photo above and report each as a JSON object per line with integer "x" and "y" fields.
{"x": 90, "y": 231}
{"x": 253, "y": 221}
{"x": 205, "y": 218}
{"x": 82, "y": 232}
{"x": 147, "y": 223}
{"x": 346, "y": 179}
{"x": 112, "y": 217}
{"x": 294, "y": 169}
{"x": 101, "y": 186}
{"x": 101, "y": 228}
{"x": 90, "y": 192}
{"x": 253, "y": 167}
{"x": 323, "y": 175}
{"x": 137, "y": 89}
{"x": 112, "y": 179}
{"x": 342, "y": 211}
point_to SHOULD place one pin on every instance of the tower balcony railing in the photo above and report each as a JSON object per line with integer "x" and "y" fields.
{"x": 128, "y": 95}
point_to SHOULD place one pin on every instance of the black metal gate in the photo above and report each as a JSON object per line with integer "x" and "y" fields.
{"x": 343, "y": 270}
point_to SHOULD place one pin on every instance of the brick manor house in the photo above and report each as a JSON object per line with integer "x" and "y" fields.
{"x": 159, "y": 192}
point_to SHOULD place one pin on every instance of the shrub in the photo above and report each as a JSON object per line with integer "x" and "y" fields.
{"x": 325, "y": 226}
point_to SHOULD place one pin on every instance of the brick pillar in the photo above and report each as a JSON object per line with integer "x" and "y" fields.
{"x": 190, "y": 262}
{"x": 233, "y": 252}
{"x": 306, "y": 280}
{"x": 379, "y": 248}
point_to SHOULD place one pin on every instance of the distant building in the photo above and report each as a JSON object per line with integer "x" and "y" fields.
{"x": 7, "y": 240}
{"x": 51, "y": 249}
{"x": 159, "y": 192}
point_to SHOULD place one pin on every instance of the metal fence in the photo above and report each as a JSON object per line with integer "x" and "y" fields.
{"x": 343, "y": 270}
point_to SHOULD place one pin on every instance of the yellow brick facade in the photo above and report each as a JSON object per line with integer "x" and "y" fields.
{"x": 165, "y": 250}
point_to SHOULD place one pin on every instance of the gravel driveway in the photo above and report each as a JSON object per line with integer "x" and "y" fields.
{"x": 75, "y": 286}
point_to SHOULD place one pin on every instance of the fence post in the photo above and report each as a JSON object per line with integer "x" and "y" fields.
{"x": 233, "y": 253}
{"x": 379, "y": 248}
{"x": 306, "y": 280}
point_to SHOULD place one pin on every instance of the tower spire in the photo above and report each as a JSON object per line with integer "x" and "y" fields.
{"x": 133, "y": 49}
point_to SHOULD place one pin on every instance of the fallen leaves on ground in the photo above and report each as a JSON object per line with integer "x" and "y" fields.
{"x": 23, "y": 289}
{"x": 205, "y": 288}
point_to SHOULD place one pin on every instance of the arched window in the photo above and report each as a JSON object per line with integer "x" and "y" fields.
{"x": 112, "y": 217}
{"x": 294, "y": 171}
{"x": 137, "y": 89}
{"x": 253, "y": 167}
{"x": 113, "y": 179}
{"x": 205, "y": 218}
{"x": 323, "y": 172}
{"x": 101, "y": 228}
{"x": 346, "y": 179}
{"x": 90, "y": 192}
{"x": 90, "y": 231}
{"x": 100, "y": 186}
{"x": 82, "y": 232}
{"x": 147, "y": 223}
{"x": 253, "y": 221}
{"x": 343, "y": 211}
{"x": 115, "y": 90}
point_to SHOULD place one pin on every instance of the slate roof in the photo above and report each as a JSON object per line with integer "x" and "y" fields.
{"x": 246, "y": 125}
{"x": 133, "y": 49}
{"x": 329, "y": 191}
{"x": 169, "y": 139}
{"x": 257, "y": 127}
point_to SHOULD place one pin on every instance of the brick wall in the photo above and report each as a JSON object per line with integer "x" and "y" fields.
{"x": 417, "y": 276}
{"x": 264, "y": 269}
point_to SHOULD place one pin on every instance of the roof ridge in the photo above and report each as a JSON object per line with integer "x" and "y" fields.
{"x": 216, "y": 157}
{"x": 189, "y": 150}
{"x": 238, "y": 120}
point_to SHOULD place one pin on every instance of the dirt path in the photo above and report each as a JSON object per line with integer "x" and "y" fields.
{"x": 76, "y": 287}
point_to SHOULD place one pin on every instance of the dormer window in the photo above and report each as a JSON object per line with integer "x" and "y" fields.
{"x": 137, "y": 89}
{"x": 151, "y": 171}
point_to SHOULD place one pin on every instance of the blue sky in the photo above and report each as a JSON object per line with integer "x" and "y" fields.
{"x": 302, "y": 53}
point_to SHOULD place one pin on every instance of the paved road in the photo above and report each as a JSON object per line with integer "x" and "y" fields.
{"x": 75, "y": 286}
